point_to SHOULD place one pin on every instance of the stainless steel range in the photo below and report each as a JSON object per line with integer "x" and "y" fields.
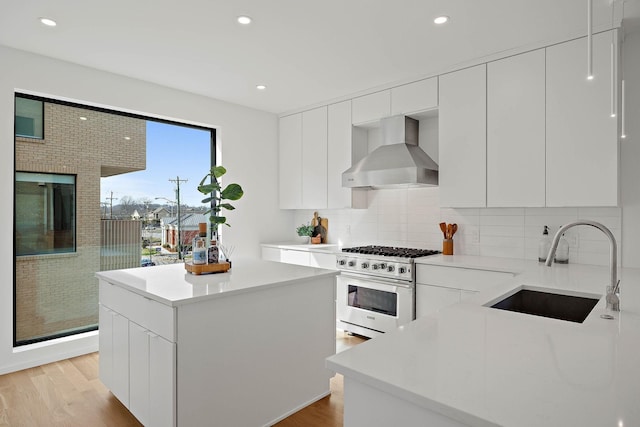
{"x": 376, "y": 288}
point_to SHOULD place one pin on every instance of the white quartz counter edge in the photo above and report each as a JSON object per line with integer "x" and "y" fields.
{"x": 568, "y": 279}
{"x": 172, "y": 285}
{"x": 321, "y": 247}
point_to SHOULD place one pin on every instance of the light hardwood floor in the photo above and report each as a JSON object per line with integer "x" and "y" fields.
{"x": 69, "y": 394}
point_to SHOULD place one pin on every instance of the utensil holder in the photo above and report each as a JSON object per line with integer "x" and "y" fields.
{"x": 447, "y": 247}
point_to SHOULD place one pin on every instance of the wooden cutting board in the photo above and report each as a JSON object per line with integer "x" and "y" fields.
{"x": 324, "y": 224}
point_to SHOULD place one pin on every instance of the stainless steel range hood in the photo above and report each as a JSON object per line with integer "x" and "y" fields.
{"x": 399, "y": 162}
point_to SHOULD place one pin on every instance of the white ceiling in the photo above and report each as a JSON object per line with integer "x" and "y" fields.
{"x": 306, "y": 52}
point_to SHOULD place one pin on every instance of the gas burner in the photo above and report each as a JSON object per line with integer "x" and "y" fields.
{"x": 390, "y": 251}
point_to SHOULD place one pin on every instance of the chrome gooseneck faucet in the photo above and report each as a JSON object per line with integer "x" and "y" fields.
{"x": 613, "y": 301}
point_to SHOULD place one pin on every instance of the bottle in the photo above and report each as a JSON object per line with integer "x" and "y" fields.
{"x": 213, "y": 253}
{"x": 544, "y": 245}
{"x": 199, "y": 252}
{"x": 199, "y": 245}
{"x": 562, "y": 252}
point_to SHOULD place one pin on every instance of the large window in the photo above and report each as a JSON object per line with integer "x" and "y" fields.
{"x": 89, "y": 183}
{"x": 29, "y": 118}
{"x": 45, "y": 213}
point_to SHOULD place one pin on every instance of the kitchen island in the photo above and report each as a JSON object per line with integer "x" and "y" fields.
{"x": 473, "y": 365}
{"x": 247, "y": 347}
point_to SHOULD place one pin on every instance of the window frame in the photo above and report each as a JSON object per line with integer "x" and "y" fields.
{"x": 33, "y": 98}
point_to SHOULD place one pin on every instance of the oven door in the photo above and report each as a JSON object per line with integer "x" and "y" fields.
{"x": 377, "y": 305}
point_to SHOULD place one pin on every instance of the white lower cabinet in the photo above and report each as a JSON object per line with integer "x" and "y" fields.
{"x": 430, "y": 299}
{"x": 137, "y": 364}
{"x": 438, "y": 287}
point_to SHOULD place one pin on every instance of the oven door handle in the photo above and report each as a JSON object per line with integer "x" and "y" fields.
{"x": 382, "y": 281}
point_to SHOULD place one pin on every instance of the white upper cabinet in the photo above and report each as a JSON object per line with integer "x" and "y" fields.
{"x": 314, "y": 158}
{"x": 462, "y": 141}
{"x": 290, "y": 162}
{"x": 516, "y": 131}
{"x": 414, "y": 97}
{"x": 342, "y": 153}
{"x": 370, "y": 108}
{"x": 582, "y": 145}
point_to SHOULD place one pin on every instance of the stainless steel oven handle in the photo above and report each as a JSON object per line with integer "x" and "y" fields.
{"x": 382, "y": 281}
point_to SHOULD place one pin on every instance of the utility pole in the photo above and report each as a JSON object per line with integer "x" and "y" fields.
{"x": 177, "y": 181}
{"x": 111, "y": 199}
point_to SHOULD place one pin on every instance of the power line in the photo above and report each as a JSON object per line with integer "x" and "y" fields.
{"x": 111, "y": 199}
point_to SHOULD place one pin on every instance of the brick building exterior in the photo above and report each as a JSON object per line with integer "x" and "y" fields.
{"x": 59, "y": 292}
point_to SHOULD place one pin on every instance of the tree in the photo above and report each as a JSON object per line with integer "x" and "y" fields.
{"x": 126, "y": 205}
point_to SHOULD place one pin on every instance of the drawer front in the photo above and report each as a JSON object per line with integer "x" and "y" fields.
{"x": 149, "y": 314}
{"x": 460, "y": 278}
{"x": 294, "y": 257}
{"x": 321, "y": 260}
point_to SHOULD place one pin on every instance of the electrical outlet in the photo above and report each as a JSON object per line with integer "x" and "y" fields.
{"x": 475, "y": 237}
{"x": 348, "y": 229}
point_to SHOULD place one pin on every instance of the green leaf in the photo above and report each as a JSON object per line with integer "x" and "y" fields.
{"x": 232, "y": 192}
{"x": 207, "y": 200}
{"x": 209, "y": 188}
{"x": 217, "y": 219}
{"x": 218, "y": 171}
{"x": 227, "y": 206}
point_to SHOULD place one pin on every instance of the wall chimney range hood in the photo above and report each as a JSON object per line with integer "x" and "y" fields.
{"x": 399, "y": 162}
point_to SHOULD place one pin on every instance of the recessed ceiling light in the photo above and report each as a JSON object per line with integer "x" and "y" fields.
{"x": 127, "y": 138}
{"x": 441, "y": 19}
{"x": 48, "y": 22}
{"x": 83, "y": 118}
{"x": 261, "y": 87}
{"x": 244, "y": 20}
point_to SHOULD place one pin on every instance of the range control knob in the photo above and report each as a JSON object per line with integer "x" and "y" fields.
{"x": 402, "y": 270}
{"x": 383, "y": 266}
{"x": 352, "y": 264}
{"x": 391, "y": 269}
{"x": 342, "y": 262}
{"x": 374, "y": 266}
{"x": 364, "y": 265}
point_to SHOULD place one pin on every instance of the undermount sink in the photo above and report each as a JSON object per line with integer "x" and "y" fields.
{"x": 545, "y": 304}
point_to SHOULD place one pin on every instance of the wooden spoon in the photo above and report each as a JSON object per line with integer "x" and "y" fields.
{"x": 454, "y": 228}
{"x": 443, "y": 227}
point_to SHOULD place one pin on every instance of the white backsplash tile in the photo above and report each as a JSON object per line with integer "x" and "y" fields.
{"x": 410, "y": 217}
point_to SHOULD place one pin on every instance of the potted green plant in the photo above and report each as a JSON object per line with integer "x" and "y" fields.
{"x": 217, "y": 195}
{"x": 305, "y": 231}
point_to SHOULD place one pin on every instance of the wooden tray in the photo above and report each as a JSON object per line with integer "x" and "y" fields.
{"x": 198, "y": 269}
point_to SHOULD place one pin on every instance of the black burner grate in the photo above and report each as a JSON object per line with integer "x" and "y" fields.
{"x": 390, "y": 251}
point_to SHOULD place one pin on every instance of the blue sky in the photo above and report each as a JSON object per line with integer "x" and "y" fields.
{"x": 172, "y": 151}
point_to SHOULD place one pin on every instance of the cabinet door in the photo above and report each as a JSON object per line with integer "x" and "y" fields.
{"x": 317, "y": 259}
{"x": 430, "y": 299}
{"x": 139, "y": 373}
{"x": 370, "y": 108}
{"x": 462, "y": 142}
{"x": 414, "y": 97}
{"x": 290, "y": 162}
{"x": 314, "y": 158}
{"x": 120, "y": 378}
{"x": 516, "y": 131}
{"x": 338, "y": 154}
{"x": 162, "y": 382}
{"x": 271, "y": 254}
{"x": 582, "y": 146}
{"x": 105, "y": 339}
{"x": 294, "y": 257}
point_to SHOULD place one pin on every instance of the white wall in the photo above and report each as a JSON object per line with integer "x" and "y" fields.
{"x": 410, "y": 218}
{"x": 248, "y": 139}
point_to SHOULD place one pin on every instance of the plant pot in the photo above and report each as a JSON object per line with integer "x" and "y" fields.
{"x": 304, "y": 239}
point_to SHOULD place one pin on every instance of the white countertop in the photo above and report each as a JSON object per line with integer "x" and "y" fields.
{"x": 484, "y": 366}
{"x": 173, "y": 285}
